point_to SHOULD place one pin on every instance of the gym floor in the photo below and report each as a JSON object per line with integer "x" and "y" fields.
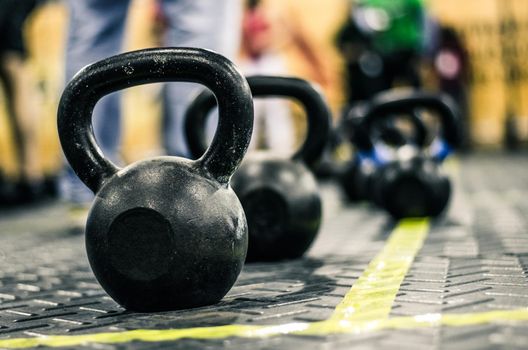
{"x": 367, "y": 282}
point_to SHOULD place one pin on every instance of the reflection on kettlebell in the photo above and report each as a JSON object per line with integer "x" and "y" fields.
{"x": 409, "y": 182}
{"x": 164, "y": 233}
{"x": 356, "y": 178}
{"x": 280, "y": 196}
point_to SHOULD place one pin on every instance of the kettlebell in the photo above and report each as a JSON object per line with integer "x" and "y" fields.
{"x": 411, "y": 182}
{"x": 163, "y": 233}
{"x": 356, "y": 177}
{"x": 280, "y": 196}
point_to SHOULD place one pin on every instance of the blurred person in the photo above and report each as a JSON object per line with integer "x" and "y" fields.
{"x": 397, "y": 28}
{"x": 96, "y": 31}
{"x": 273, "y": 126}
{"x": 267, "y": 31}
{"x": 283, "y": 33}
{"x": 382, "y": 42}
{"x": 452, "y": 67}
{"x": 364, "y": 66}
{"x": 287, "y": 33}
{"x": 20, "y": 101}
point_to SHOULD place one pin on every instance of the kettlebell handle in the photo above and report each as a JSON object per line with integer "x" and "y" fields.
{"x": 407, "y": 101}
{"x": 317, "y": 112}
{"x": 351, "y": 122}
{"x": 151, "y": 66}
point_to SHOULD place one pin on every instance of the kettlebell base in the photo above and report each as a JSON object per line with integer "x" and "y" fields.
{"x": 182, "y": 304}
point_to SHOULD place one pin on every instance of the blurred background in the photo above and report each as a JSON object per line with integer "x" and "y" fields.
{"x": 474, "y": 50}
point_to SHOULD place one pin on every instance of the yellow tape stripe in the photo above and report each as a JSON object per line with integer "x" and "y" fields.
{"x": 243, "y": 331}
{"x": 372, "y": 295}
{"x": 429, "y": 321}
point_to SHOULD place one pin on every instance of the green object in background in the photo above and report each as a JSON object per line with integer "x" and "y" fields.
{"x": 397, "y": 25}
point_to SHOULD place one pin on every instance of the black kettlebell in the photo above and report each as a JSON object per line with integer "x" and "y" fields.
{"x": 164, "y": 233}
{"x": 411, "y": 184}
{"x": 355, "y": 179}
{"x": 280, "y": 196}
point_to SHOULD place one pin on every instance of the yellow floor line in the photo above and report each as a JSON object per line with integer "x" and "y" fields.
{"x": 364, "y": 309}
{"x": 372, "y": 295}
{"x": 244, "y": 331}
{"x": 415, "y": 322}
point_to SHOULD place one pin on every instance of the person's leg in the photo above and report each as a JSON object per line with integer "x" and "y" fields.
{"x": 273, "y": 116}
{"x": 95, "y": 32}
{"x": 213, "y": 25}
{"x": 6, "y": 79}
{"x": 21, "y": 102}
{"x": 19, "y": 92}
{"x": 280, "y": 129}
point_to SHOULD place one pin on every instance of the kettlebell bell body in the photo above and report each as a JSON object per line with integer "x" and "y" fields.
{"x": 164, "y": 233}
{"x": 280, "y": 196}
{"x": 162, "y": 236}
{"x": 358, "y": 177}
{"x": 282, "y": 205}
{"x": 412, "y": 188}
{"x": 412, "y": 185}
{"x": 356, "y": 180}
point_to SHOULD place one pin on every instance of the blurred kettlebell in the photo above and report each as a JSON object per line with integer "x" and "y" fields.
{"x": 356, "y": 177}
{"x": 280, "y": 196}
{"x": 410, "y": 183}
{"x": 163, "y": 233}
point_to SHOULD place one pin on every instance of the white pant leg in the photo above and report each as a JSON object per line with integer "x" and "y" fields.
{"x": 209, "y": 24}
{"x": 95, "y": 32}
{"x": 273, "y": 114}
